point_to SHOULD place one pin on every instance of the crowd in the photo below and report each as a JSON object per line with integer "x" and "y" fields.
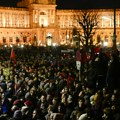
{"x": 45, "y": 85}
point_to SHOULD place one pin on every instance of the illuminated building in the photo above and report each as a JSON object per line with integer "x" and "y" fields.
{"x": 36, "y": 21}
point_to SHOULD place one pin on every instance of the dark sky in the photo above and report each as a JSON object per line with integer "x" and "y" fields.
{"x": 8, "y": 2}
{"x": 73, "y": 4}
{"x": 76, "y": 4}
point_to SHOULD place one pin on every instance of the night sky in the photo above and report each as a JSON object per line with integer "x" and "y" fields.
{"x": 8, "y": 3}
{"x": 77, "y": 4}
{"x": 74, "y": 4}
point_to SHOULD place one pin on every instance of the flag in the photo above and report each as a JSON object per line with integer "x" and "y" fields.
{"x": 78, "y": 55}
{"x": 69, "y": 80}
{"x": 78, "y": 65}
{"x": 84, "y": 56}
{"x": 97, "y": 50}
{"x": 12, "y": 56}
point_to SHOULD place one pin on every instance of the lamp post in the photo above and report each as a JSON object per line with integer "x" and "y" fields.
{"x": 114, "y": 34}
{"x": 76, "y": 37}
{"x": 105, "y": 43}
{"x": 35, "y": 40}
{"x": 49, "y": 40}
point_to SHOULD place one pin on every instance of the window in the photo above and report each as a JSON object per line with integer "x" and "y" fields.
{"x": 4, "y": 39}
{"x": 24, "y": 39}
{"x": 10, "y": 39}
{"x": 17, "y": 39}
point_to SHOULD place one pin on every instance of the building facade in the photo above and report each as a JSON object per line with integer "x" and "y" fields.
{"x": 39, "y": 22}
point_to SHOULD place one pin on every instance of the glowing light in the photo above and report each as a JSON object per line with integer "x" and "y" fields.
{"x": 44, "y": 45}
{"x": 49, "y": 34}
{"x": 22, "y": 46}
{"x": 106, "y": 18}
{"x": 67, "y": 37}
{"x": 105, "y": 43}
{"x": 11, "y": 45}
{"x": 117, "y": 43}
{"x": 41, "y": 44}
{"x": 5, "y": 45}
{"x": 18, "y": 44}
{"x": 29, "y": 44}
{"x": 46, "y": 23}
{"x": 49, "y": 39}
{"x": 54, "y": 44}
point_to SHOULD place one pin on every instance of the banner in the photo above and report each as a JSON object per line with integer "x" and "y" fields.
{"x": 12, "y": 56}
{"x": 78, "y": 55}
{"x": 78, "y": 65}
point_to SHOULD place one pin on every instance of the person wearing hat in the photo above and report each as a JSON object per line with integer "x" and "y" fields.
{"x": 28, "y": 103}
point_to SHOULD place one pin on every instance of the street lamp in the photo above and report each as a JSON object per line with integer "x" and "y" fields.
{"x": 105, "y": 43}
{"x": 35, "y": 40}
{"x": 77, "y": 39}
{"x": 114, "y": 34}
{"x": 49, "y": 39}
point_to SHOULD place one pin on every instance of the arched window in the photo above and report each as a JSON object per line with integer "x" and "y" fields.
{"x": 24, "y": 39}
{"x": 10, "y": 39}
{"x": 42, "y": 13}
{"x": 17, "y": 39}
{"x": 4, "y": 39}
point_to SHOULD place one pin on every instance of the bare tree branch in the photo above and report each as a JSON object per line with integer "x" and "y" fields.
{"x": 88, "y": 21}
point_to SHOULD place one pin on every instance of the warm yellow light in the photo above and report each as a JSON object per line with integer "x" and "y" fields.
{"x": 5, "y": 45}
{"x": 18, "y": 44}
{"x": 22, "y": 46}
{"x": 54, "y": 44}
{"x": 46, "y": 23}
{"x": 106, "y": 18}
{"x": 105, "y": 43}
{"x": 11, "y": 45}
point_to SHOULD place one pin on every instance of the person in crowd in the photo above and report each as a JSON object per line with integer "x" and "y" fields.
{"x": 113, "y": 74}
{"x": 43, "y": 86}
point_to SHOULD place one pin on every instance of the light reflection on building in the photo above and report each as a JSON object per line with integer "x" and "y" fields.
{"x": 40, "y": 17}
